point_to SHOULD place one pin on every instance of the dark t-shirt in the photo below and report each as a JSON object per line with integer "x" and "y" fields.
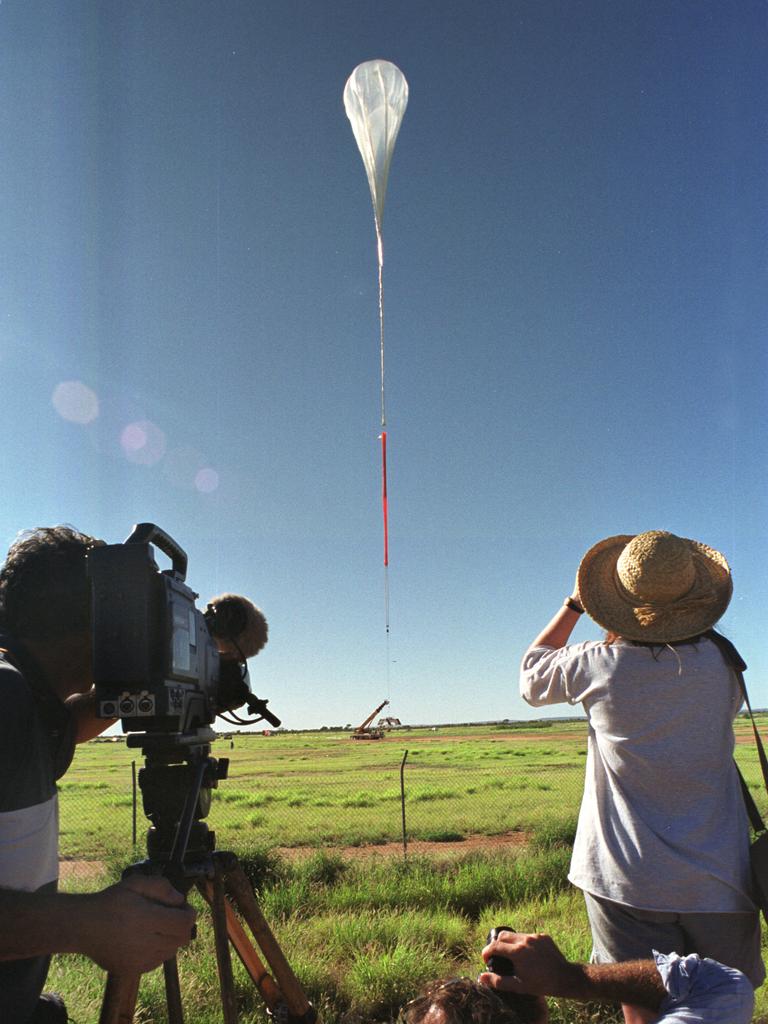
{"x": 36, "y": 748}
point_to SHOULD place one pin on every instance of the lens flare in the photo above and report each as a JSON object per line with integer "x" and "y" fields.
{"x": 75, "y": 402}
{"x": 206, "y": 480}
{"x": 143, "y": 443}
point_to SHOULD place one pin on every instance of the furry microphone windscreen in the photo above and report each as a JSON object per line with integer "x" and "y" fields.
{"x": 238, "y": 626}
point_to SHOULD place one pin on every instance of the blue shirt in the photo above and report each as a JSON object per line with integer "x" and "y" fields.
{"x": 702, "y": 991}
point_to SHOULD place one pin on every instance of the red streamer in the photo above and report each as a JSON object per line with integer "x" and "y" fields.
{"x": 384, "y": 494}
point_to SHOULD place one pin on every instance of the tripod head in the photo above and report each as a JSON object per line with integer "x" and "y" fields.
{"x": 176, "y": 783}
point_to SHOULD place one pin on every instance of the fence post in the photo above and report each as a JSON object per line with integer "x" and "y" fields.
{"x": 133, "y": 779}
{"x": 402, "y": 803}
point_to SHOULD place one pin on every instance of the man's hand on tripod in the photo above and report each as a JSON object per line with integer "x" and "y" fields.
{"x": 139, "y": 923}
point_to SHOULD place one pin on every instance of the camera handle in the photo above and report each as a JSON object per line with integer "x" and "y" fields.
{"x": 148, "y": 533}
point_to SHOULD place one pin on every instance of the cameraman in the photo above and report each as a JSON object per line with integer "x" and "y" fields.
{"x": 46, "y": 706}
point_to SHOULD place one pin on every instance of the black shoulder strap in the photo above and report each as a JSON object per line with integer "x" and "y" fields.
{"x": 737, "y": 663}
{"x": 755, "y": 818}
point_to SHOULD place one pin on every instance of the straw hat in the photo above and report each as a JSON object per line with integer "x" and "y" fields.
{"x": 654, "y": 586}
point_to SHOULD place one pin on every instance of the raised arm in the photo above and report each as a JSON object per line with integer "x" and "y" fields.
{"x": 541, "y": 679}
{"x": 558, "y": 630}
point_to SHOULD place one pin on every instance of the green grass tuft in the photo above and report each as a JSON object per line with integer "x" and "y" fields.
{"x": 555, "y": 834}
{"x": 444, "y": 836}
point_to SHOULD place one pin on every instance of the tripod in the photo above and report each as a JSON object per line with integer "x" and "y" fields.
{"x": 189, "y": 860}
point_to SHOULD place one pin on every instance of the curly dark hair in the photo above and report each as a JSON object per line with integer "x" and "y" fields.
{"x": 44, "y": 589}
{"x": 464, "y": 1001}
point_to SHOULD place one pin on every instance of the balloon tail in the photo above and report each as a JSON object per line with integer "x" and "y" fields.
{"x": 380, "y": 249}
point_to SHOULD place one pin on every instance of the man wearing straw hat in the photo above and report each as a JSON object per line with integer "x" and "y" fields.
{"x": 662, "y": 845}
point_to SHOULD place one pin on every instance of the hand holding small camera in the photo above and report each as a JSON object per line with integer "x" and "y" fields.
{"x": 530, "y": 964}
{"x": 497, "y": 962}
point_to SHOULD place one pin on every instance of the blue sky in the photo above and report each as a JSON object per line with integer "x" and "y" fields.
{"x": 575, "y": 294}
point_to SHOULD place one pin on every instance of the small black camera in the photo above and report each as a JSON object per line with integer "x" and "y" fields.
{"x": 527, "y": 1007}
{"x": 496, "y": 964}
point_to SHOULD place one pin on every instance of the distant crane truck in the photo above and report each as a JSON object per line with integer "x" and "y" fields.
{"x": 365, "y": 731}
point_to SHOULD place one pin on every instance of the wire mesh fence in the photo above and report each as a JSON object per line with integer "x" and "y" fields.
{"x": 414, "y": 789}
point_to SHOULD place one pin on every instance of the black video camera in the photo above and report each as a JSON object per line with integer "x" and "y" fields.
{"x": 156, "y": 666}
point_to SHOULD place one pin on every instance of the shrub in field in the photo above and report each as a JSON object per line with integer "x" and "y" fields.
{"x": 292, "y": 900}
{"x": 342, "y": 934}
{"x": 262, "y": 867}
{"x": 553, "y": 834}
{"x": 445, "y": 836}
{"x": 363, "y": 799}
{"x": 228, "y": 796}
{"x": 423, "y": 795}
{"x": 539, "y": 875}
{"x": 74, "y": 785}
{"x": 324, "y": 868}
{"x": 244, "y": 797}
{"x": 120, "y": 801}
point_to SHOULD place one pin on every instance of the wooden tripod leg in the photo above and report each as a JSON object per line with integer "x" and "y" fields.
{"x": 223, "y": 957}
{"x": 119, "y": 1003}
{"x": 260, "y": 976}
{"x": 245, "y": 901}
{"x": 173, "y": 992}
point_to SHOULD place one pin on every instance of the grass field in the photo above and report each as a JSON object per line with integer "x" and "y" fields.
{"x": 363, "y": 932}
{"x": 324, "y": 789}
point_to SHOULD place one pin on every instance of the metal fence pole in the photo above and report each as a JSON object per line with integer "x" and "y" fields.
{"x": 402, "y": 803}
{"x": 133, "y": 779}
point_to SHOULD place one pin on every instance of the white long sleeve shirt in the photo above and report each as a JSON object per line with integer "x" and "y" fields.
{"x": 662, "y": 824}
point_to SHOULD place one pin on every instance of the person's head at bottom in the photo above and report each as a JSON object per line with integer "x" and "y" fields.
{"x": 464, "y": 1001}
